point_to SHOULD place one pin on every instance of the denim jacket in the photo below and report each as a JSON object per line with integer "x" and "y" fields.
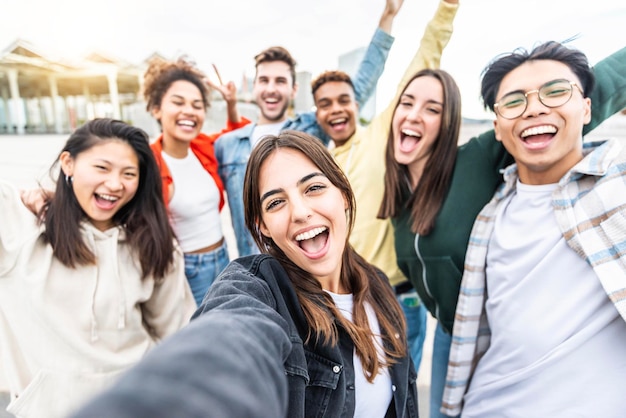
{"x": 320, "y": 377}
{"x": 233, "y": 148}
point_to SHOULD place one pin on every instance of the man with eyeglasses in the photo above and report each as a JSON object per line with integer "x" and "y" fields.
{"x": 540, "y": 325}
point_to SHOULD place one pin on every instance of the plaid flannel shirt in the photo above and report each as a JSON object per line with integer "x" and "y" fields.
{"x": 590, "y": 207}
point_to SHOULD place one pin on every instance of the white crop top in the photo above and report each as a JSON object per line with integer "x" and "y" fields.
{"x": 194, "y": 203}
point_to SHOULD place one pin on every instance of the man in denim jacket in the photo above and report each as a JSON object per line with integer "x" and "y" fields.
{"x": 274, "y": 88}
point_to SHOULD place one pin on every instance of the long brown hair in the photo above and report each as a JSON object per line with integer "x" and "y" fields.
{"x": 426, "y": 199}
{"x": 364, "y": 281}
{"x": 143, "y": 218}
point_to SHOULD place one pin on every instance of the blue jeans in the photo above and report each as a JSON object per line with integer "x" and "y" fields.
{"x": 202, "y": 269}
{"x": 415, "y": 315}
{"x": 441, "y": 353}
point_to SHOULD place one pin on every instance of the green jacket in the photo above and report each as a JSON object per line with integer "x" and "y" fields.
{"x": 437, "y": 270}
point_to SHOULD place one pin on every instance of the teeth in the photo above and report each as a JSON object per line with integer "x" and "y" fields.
{"x": 271, "y": 100}
{"x": 538, "y": 130}
{"x": 186, "y": 122}
{"x": 408, "y": 132}
{"x": 337, "y": 121}
{"x": 310, "y": 234}
{"x": 107, "y": 197}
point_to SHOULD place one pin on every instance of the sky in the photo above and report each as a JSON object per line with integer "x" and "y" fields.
{"x": 230, "y": 33}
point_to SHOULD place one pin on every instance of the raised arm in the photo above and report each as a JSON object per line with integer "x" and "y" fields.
{"x": 229, "y": 94}
{"x": 609, "y": 95}
{"x": 373, "y": 62}
{"x": 392, "y": 7}
{"x": 436, "y": 37}
{"x": 434, "y": 40}
{"x": 367, "y": 75}
{"x": 428, "y": 55}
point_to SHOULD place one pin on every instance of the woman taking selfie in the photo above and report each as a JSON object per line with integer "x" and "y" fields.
{"x": 307, "y": 329}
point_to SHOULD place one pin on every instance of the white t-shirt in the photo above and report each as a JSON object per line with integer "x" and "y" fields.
{"x": 557, "y": 345}
{"x": 194, "y": 205}
{"x": 261, "y": 130}
{"x": 371, "y": 399}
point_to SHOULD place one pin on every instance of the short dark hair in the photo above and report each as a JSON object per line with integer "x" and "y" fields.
{"x": 277, "y": 53}
{"x": 328, "y": 76}
{"x": 500, "y": 66}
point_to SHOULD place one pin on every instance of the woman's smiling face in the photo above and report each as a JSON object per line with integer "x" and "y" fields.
{"x": 105, "y": 177}
{"x": 416, "y": 123}
{"x": 181, "y": 112}
{"x": 304, "y": 214}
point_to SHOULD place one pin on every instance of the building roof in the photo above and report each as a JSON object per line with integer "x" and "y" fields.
{"x": 88, "y": 74}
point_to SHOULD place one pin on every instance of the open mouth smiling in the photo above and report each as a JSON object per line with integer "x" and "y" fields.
{"x": 107, "y": 197}
{"x": 314, "y": 240}
{"x": 339, "y": 121}
{"x": 105, "y": 201}
{"x": 409, "y": 140}
{"x": 187, "y": 123}
{"x": 310, "y": 234}
{"x": 538, "y": 130}
{"x": 538, "y": 137}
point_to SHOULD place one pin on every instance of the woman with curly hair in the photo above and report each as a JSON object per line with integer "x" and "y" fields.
{"x": 177, "y": 96}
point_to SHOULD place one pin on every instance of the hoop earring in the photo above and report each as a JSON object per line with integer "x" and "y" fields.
{"x": 69, "y": 180}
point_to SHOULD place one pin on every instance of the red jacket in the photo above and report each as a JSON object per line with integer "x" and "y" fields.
{"x": 202, "y": 147}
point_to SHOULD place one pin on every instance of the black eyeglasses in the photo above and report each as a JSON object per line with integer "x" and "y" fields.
{"x": 554, "y": 93}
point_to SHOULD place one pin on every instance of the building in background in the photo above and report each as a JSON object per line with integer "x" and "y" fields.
{"x": 44, "y": 94}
